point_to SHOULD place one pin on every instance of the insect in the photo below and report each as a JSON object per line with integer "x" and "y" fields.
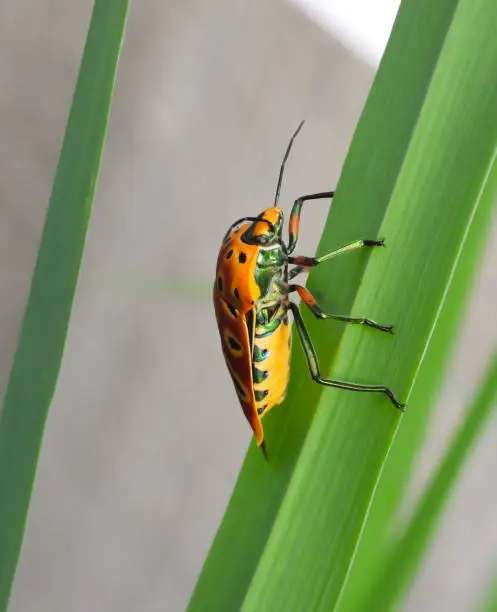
{"x": 252, "y": 302}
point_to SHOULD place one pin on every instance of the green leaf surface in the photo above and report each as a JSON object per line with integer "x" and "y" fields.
{"x": 41, "y": 343}
{"x": 383, "y": 524}
{"x": 405, "y": 559}
{"x": 414, "y": 175}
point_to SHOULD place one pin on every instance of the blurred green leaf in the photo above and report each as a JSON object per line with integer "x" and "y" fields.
{"x": 383, "y": 524}
{"x": 39, "y": 352}
{"x": 402, "y": 564}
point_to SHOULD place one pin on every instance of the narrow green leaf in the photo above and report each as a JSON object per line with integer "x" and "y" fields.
{"x": 39, "y": 352}
{"x": 436, "y": 193}
{"x": 414, "y": 175}
{"x": 403, "y": 563}
{"x": 383, "y": 523}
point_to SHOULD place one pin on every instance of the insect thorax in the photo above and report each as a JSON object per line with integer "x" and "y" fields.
{"x": 271, "y": 275}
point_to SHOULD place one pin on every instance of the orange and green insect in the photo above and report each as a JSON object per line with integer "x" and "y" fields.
{"x": 252, "y": 302}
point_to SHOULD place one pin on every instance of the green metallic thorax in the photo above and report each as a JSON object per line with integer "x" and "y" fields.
{"x": 271, "y": 275}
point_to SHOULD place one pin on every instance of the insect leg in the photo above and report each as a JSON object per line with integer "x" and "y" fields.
{"x": 293, "y": 228}
{"x": 308, "y": 299}
{"x": 312, "y": 362}
{"x": 305, "y": 263}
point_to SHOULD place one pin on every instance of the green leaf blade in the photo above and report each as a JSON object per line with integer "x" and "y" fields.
{"x": 402, "y": 564}
{"x": 39, "y": 352}
{"x": 435, "y": 197}
{"x": 414, "y": 175}
{"x": 383, "y": 521}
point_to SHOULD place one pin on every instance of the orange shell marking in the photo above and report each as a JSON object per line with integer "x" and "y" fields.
{"x": 235, "y": 295}
{"x": 235, "y": 272}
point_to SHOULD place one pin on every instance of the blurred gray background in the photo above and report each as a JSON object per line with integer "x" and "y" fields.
{"x": 135, "y": 472}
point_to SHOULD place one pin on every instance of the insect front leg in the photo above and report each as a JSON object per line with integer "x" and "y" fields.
{"x": 308, "y": 299}
{"x": 304, "y": 264}
{"x": 294, "y": 223}
{"x": 312, "y": 362}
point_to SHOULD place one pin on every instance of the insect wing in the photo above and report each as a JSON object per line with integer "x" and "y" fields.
{"x": 237, "y": 333}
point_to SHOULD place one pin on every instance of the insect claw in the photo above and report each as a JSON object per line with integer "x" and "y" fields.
{"x": 396, "y": 403}
{"x": 384, "y": 328}
{"x": 372, "y": 243}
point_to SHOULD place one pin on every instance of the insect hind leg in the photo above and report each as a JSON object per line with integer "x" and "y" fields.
{"x": 312, "y": 362}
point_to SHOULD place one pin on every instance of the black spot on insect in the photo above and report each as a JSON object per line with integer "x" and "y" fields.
{"x": 236, "y": 346}
{"x": 237, "y": 295}
{"x": 232, "y": 310}
{"x": 252, "y": 302}
{"x": 260, "y": 395}
{"x": 220, "y": 284}
{"x": 259, "y": 375}
{"x": 242, "y": 258}
{"x": 229, "y": 253}
{"x": 261, "y": 411}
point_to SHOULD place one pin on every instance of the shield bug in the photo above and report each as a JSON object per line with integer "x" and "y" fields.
{"x": 252, "y": 291}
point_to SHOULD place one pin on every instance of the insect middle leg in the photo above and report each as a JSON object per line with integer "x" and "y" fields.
{"x": 312, "y": 362}
{"x": 308, "y": 299}
{"x": 305, "y": 263}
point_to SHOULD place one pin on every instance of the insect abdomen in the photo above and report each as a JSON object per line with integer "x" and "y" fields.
{"x": 271, "y": 367}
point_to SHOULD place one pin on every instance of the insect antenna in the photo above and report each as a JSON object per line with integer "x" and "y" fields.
{"x": 280, "y": 179}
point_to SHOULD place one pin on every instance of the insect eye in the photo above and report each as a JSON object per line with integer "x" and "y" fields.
{"x": 263, "y": 239}
{"x": 261, "y": 232}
